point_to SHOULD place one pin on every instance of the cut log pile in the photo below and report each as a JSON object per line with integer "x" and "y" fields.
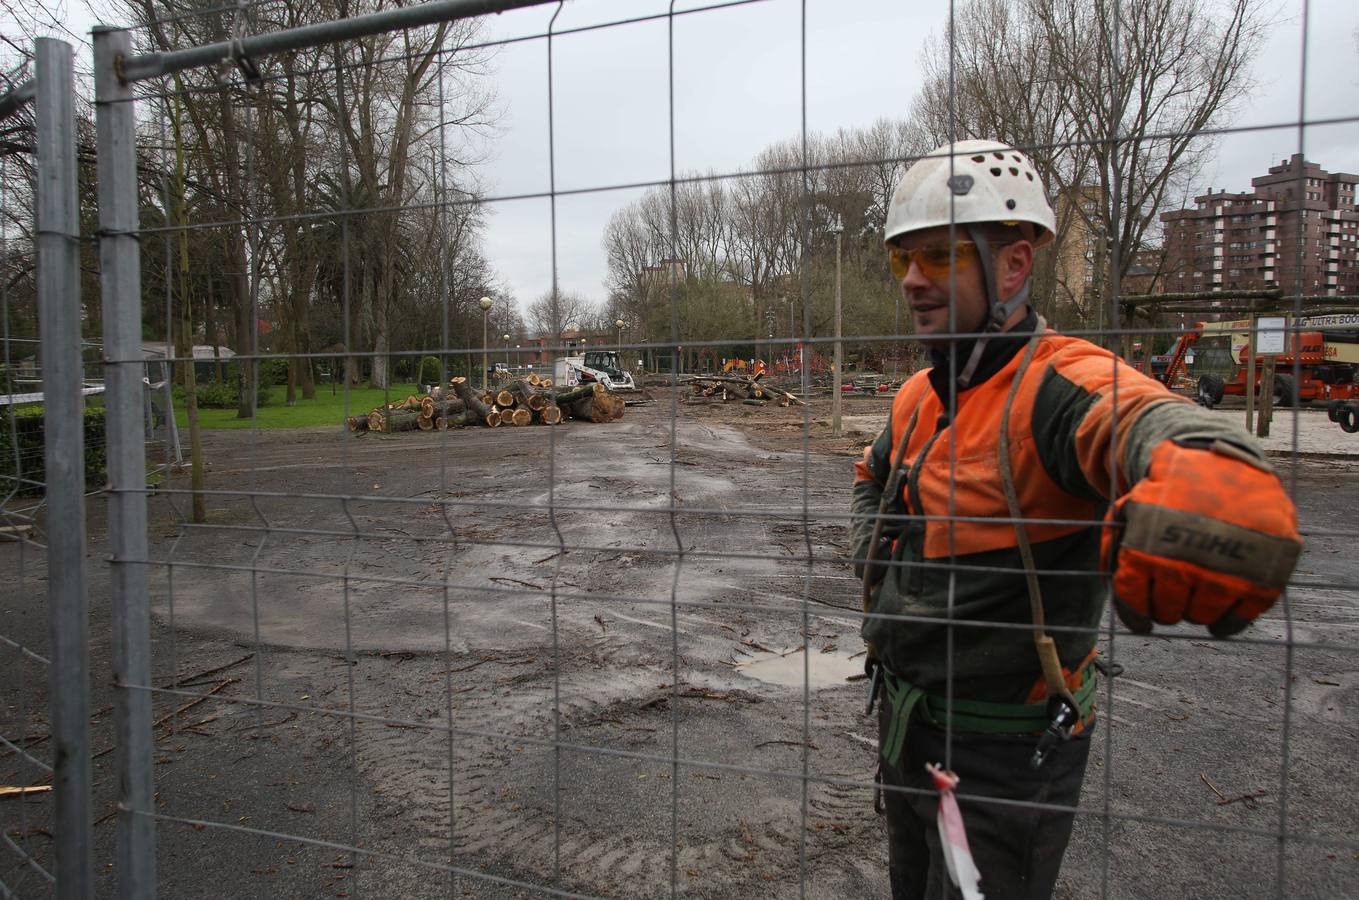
{"x": 530, "y": 401}
{"x": 735, "y": 388}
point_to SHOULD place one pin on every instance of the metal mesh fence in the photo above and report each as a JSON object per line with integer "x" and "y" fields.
{"x": 401, "y": 604}
{"x": 26, "y": 739}
{"x": 49, "y": 436}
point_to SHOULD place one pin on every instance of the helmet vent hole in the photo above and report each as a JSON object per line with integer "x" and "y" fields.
{"x": 1017, "y": 158}
{"x": 995, "y": 170}
{"x": 978, "y": 159}
{"x": 1009, "y": 204}
{"x": 999, "y": 156}
{"x": 1014, "y": 171}
{"x": 1028, "y": 175}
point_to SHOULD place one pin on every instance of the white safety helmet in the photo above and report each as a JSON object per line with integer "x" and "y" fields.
{"x": 973, "y": 184}
{"x": 988, "y": 182}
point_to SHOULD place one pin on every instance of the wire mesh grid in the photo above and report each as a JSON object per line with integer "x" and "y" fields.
{"x": 44, "y": 425}
{"x": 622, "y": 657}
{"x": 23, "y": 737}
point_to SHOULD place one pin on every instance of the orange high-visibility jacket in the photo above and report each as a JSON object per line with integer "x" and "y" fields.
{"x": 1082, "y": 427}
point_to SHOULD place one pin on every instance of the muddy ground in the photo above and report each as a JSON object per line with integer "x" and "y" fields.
{"x": 533, "y": 587}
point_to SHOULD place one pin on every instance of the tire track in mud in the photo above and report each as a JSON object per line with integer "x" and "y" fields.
{"x": 504, "y": 809}
{"x": 737, "y": 834}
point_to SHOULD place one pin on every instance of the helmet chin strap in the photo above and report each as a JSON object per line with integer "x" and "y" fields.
{"x": 998, "y": 311}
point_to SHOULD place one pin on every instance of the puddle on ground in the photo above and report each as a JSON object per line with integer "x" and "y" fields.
{"x": 823, "y": 669}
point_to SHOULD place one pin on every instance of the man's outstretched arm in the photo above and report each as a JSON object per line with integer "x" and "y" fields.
{"x": 1199, "y": 528}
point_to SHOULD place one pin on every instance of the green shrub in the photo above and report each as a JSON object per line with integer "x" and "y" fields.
{"x": 22, "y": 462}
{"x": 429, "y": 371}
{"x": 218, "y": 396}
{"x": 273, "y": 372}
{"x": 226, "y": 395}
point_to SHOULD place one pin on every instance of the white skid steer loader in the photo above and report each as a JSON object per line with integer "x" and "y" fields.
{"x": 602, "y": 366}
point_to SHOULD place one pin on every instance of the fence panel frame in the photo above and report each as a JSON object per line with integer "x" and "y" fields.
{"x": 120, "y": 287}
{"x": 58, "y": 246}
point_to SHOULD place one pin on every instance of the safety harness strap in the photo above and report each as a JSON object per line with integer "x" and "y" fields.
{"x": 1046, "y": 648}
{"x": 904, "y": 700}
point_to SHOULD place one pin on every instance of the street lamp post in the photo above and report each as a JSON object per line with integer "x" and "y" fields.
{"x": 619, "y": 323}
{"x": 770, "y": 318}
{"x": 506, "y": 338}
{"x": 839, "y": 231}
{"x": 485, "y": 304}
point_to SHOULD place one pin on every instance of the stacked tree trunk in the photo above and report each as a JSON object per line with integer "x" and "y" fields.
{"x": 591, "y": 403}
{"x": 736, "y": 388}
{"x": 528, "y": 401}
{"x": 423, "y": 413}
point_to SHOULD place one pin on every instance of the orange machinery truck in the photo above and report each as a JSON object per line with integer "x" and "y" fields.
{"x": 1325, "y": 350}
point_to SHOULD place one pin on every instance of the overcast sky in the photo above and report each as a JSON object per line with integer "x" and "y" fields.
{"x": 738, "y": 88}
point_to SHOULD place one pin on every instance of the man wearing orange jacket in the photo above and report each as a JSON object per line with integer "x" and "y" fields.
{"x": 1012, "y": 477}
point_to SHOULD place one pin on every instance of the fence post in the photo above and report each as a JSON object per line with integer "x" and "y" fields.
{"x": 64, "y": 449}
{"x": 120, "y": 285}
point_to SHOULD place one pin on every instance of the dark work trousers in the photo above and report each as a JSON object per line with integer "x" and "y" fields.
{"x": 1018, "y": 850}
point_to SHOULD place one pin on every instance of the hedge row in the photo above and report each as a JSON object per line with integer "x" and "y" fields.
{"x": 22, "y": 461}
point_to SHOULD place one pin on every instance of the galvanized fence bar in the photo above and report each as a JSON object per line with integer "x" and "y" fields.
{"x": 120, "y": 286}
{"x": 59, "y": 311}
{"x": 16, "y": 99}
{"x": 151, "y": 65}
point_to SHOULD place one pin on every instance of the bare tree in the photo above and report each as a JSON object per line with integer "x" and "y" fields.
{"x": 725, "y": 259}
{"x": 347, "y": 130}
{"x": 1111, "y": 109}
{"x": 550, "y": 316}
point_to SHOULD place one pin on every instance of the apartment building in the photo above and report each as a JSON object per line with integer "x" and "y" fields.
{"x": 1299, "y": 222}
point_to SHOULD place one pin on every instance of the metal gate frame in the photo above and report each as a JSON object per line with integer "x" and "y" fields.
{"x": 58, "y": 253}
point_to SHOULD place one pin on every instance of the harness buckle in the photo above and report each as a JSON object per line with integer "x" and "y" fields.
{"x": 1063, "y": 714}
{"x": 874, "y": 685}
{"x": 1106, "y": 668}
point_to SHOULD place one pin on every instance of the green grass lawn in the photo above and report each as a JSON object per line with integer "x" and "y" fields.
{"x": 324, "y": 410}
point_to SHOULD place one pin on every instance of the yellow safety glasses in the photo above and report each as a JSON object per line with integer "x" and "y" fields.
{"x": 933, "y": 259}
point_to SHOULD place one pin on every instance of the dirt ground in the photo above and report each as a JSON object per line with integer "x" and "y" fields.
{"x": 533, "y": 588}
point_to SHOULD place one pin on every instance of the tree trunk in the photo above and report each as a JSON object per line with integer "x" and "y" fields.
{"x": 585, "y": 390}
{"x": 452, "y": 407}
{"x": 353, "y": 366}
{"x": 236, "y": 255}
{"x": 378, "y": 377}
{"x": 472, "y": 403}
{"x": 290, "y": 397}
{"x": 598, "y": 408}
{"x": 393, "y": 420}
{"x": 456, "y": 420}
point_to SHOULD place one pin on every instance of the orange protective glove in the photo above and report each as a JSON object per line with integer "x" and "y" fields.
{"x": 1209, "y": 535}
